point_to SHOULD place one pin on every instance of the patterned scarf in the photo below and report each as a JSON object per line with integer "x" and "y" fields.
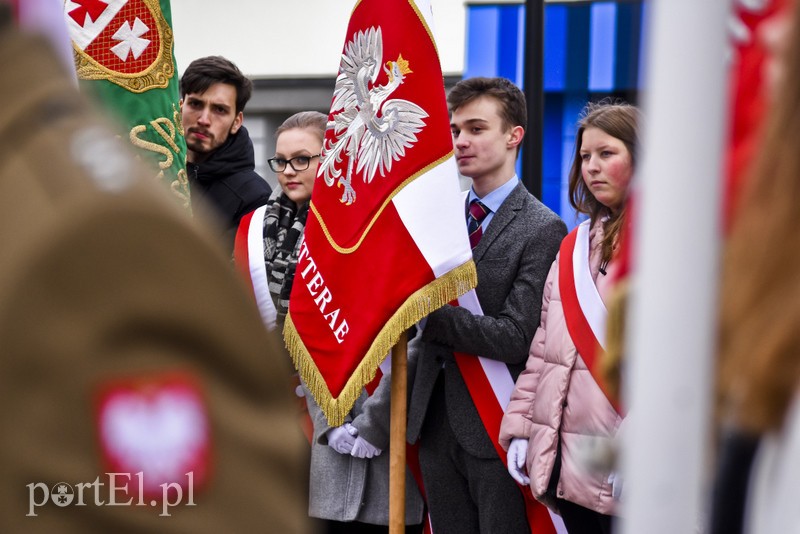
{"x": 283, "y": 226}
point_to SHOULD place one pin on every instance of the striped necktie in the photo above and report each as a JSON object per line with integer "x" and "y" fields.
{"x": 477, "y": 213}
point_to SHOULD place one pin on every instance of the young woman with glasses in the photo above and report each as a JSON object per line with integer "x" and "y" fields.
{"x": 297, "y": 147}
{"x": 349, "y": 473}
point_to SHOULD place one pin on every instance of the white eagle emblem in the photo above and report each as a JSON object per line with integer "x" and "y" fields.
{"x": 372, "y": 131}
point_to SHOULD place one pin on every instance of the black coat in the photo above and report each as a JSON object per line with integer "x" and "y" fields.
{"x": 229, "y": 183}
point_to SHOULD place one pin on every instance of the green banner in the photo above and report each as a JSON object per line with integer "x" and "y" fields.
{"x": 124, "y": 56}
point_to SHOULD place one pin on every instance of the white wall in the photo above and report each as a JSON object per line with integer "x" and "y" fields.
{"x": 290, "y": 38}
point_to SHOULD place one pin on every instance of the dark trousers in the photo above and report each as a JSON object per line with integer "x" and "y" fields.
{"x": 466, "y": 494}
{"x": 580, "y": 520}
{"x": 729, "y": 499}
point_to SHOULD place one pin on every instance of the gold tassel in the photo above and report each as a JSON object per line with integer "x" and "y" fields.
{"x": 420, "y": 304}
{"x": 612, "y": 360}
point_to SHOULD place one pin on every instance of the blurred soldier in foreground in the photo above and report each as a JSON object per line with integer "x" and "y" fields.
{"x": 758, "y": 388}
{"x": 137, "y": 388}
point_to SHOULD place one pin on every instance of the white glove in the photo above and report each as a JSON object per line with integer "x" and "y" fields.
{"x": 616, "y": 481}
{"x": 364, "y": 449}
{"x": 342, "y": 438}
{"x": 517, "y": 456}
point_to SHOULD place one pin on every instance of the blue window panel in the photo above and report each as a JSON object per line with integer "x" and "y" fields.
{"x": 577, "y": 64}
{"x": 508, "y": 39}
{"x": 551, "y": 193}
{"x": 551, "y": 151}
{"x": 555, "y": 47}
{"x": 520, "y": 57}
{"x": 645, "y": 7}
{"x": 482, "y": 43}
{"x": 602, "y": 48}
{"x": 629, "y": 35}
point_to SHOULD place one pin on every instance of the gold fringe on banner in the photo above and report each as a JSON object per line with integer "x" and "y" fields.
{"x": 612, "y": 360}
{"x": 420, "y": 304}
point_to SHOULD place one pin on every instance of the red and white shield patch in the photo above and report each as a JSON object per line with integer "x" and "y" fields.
{"x": 121, "y": 35}
{"x": 127, "y": 42}
{"x": 157, "y": 425}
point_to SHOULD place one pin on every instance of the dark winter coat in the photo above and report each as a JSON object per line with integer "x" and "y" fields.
{"x": 228, "y": 182}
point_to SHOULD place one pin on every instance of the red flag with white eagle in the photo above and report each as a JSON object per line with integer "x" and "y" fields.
{"x": 124, "y": 56}
{"x": 385, "y": 243}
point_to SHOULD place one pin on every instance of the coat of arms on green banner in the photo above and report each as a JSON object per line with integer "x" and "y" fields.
{"x": 124, "y": 56}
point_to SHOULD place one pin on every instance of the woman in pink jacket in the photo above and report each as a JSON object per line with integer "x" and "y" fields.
{"x": 557, "y": 405}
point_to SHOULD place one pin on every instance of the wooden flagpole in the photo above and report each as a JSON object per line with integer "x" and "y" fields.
{"x": 397, "y": 437}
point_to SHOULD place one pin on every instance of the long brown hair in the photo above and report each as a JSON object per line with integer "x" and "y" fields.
{"x": 618, "y": 120}
{"x": 759, "y": 338}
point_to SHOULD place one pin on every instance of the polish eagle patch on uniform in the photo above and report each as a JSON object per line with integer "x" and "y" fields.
{"x": 157, "y": 426}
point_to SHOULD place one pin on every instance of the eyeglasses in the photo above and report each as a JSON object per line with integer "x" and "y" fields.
{"x": 298, "y": 163}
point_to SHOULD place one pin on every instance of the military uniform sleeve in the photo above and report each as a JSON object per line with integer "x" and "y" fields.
{"x": 130, "y": 349}
{"x": 109, "y": 289}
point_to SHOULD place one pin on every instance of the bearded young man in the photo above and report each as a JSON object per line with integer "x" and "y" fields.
{"x": 220, "y": 156}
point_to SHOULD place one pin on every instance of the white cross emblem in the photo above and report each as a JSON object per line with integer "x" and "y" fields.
{"x": 131, "y": 40}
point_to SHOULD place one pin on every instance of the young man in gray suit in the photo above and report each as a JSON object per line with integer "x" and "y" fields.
{"x": 515, "y": 239}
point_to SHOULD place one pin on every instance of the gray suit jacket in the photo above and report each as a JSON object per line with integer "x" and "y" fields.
{"x": 512, "y": 259}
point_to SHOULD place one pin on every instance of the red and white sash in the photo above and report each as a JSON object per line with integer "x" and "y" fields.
{"x": 248, "y": 251}
{"x": 490, "y": 385}
{"x": 584, "y": 310}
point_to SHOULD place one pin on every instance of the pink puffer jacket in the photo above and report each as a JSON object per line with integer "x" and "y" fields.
{"x": 556, "y": 394}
